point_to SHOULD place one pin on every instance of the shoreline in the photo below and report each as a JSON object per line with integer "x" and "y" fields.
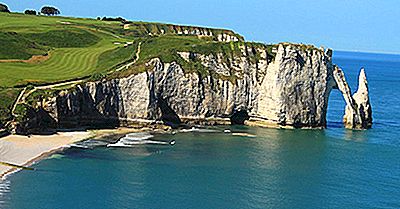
{"x": 26, "y": 151}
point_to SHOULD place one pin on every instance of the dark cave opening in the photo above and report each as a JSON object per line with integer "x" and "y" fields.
{"x": 239, "y": 117}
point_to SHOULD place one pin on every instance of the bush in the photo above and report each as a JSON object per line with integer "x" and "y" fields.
{"x": 118, "y": 19}
{"x": 97, "y": 76}
{"x": 4, "y": 8}
{"x": 30, "y": 12}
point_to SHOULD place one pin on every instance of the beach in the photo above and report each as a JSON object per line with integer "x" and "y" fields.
{"x": 24, "y": 150}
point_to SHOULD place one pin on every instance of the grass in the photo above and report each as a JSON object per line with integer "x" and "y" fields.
{"x": 63, "y": 64}
{"x": 113, "y": 58}
{"x": 74, "y": 50}
{"x": 167, "y": 47}
{"x": 66, "y": 37}
{"x": 16, "y": 46}
{"x": 7, "y": 98}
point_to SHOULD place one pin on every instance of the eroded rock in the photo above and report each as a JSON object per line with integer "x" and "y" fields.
{"x": 358, "y": 112}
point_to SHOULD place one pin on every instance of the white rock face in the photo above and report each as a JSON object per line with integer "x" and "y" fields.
{"x": 290, "y": 91}
{"x": 358, "y": 112}
{"x": 226, "y": 38}
{"x": 296, "y": 88}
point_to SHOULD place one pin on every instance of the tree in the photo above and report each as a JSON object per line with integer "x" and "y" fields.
{"x": 4, "y": 8}
{"x": 30, "y": 12}
{"x": 118, "y": 19}
{"x": 48, "y": 10}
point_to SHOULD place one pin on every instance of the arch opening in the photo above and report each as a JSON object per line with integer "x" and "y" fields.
{"x": 239, "y": 117}
{"x": 335, "y": 110}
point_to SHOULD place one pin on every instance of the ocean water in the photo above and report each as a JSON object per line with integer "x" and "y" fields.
{"x": 332, "y": 168}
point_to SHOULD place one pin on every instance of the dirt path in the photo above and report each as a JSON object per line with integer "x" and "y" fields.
{"x": 21, "y": 94}
{"x": 24, "y": 94}
{"x": 134, "y": 61}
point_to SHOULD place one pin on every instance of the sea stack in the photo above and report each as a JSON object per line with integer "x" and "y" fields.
{"x": 358, "y": 112}
{"x": 362, "y": 104}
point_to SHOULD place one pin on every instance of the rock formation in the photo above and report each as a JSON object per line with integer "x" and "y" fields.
{"x": 358, "y": 112}
{"x": 291, "y": 90}
{"x": 295, "y": 89}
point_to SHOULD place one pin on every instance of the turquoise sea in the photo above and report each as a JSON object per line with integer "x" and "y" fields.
{"x": 332, "y": 168}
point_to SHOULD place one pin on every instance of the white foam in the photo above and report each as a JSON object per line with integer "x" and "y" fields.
{"x": 137, "y": 139}
{"x": 132, "y": 139}
{"x": 119, "y": 144}
{"x": 199, "y": 130}
{"x": 79, "y": 146}
{"x": 89, "y": 144}
{"x": 138, "y": 136}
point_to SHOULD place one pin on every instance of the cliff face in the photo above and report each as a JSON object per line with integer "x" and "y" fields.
{"x": 290, "y": 91}
{"x": 296, "y": 88}
{"x": 155, "y": 29}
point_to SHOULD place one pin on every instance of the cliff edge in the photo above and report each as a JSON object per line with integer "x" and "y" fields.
{"x": 290, "y": 90}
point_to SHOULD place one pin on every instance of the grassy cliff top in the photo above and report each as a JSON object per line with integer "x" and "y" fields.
{"x": 41, "y": 50}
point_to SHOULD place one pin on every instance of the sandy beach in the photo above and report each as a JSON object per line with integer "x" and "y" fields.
{"x": 23, "y": 150}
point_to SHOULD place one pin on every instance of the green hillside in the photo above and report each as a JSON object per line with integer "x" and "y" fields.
{"x": 40, "y": 50}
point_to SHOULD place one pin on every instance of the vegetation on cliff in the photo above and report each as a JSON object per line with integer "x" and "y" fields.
{"x": 39, "y": 50}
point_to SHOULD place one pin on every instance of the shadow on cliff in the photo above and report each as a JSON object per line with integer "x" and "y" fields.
{"x": 37, "y": 121}
{"x": 168, "y": 115}
{"x": 83, "y": 112}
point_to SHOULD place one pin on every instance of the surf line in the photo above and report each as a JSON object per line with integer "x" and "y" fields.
{"x": 16, "y": 166}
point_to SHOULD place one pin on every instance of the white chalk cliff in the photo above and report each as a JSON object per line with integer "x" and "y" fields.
{"x": 291, "y": 90}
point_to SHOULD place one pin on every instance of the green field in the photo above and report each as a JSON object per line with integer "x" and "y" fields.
{"x": 74, "y": 49}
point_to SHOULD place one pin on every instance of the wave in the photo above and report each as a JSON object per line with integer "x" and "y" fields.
{"x": 138, "y": 136}
{"x": 141, "y": 138}
{"x": 55, "y": 156}
{"x": 199, "y": 130}
{"x": 244, "y": 134}
{"x": 89, "y": 144}
{"x": 143, "y": 142}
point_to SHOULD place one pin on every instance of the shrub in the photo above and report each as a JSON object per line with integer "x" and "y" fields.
{"x": 4, "y": 8}
{"x": 48, "y": 10}
{"x": 30, "y": 12}
{"x": 118, "y": 19}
